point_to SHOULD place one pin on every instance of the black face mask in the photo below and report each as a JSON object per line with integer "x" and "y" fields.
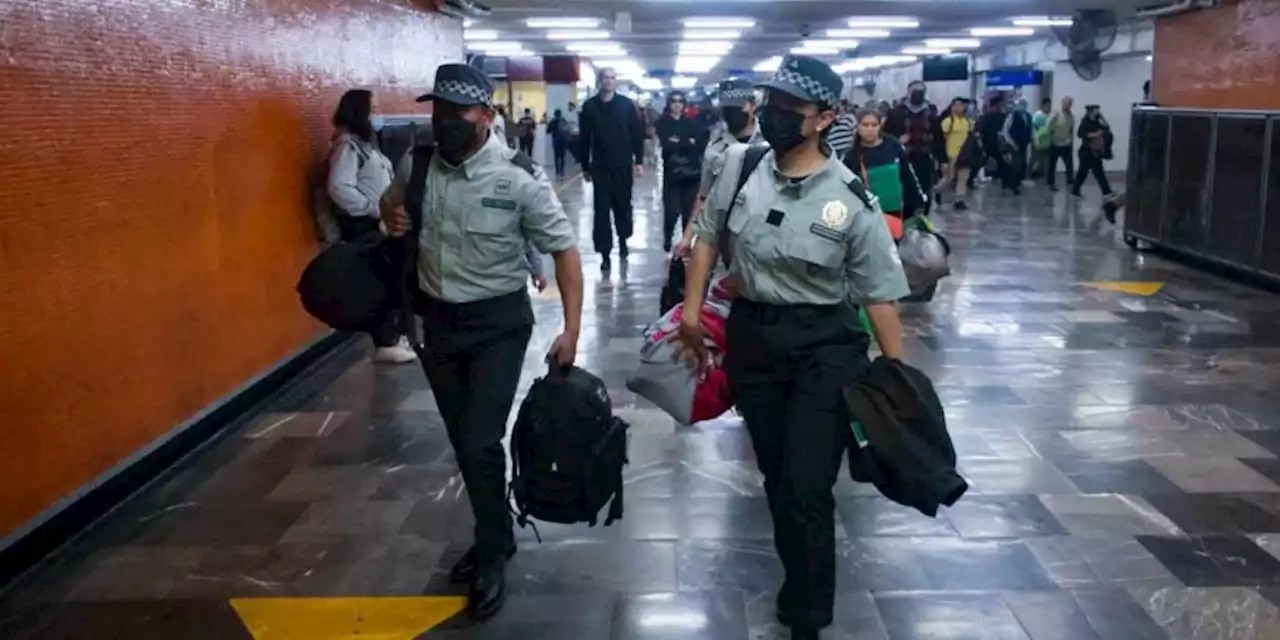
{"x": 917, "y": 97}
{"x": 735, "y": 118}
{"x": 782, "y": 129}
{"x": 454, "y": 136}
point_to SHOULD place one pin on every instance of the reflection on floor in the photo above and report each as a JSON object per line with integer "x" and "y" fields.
{"x": 1121, "y": 440}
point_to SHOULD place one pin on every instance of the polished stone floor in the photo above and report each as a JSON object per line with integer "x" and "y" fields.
{"x": 1122, "y": 449}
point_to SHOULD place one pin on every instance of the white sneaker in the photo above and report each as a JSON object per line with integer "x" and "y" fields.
{"x": 399, "y": 353}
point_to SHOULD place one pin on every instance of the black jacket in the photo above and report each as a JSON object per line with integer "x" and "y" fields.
{"x": 683, "y": 142}
{"x": 1090, "y": 126}
{"x": 908, "y": 454}
{"x": 611, "y": 133}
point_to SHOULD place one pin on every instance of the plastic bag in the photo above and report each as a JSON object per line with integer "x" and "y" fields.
{"x": 924, "y": 258}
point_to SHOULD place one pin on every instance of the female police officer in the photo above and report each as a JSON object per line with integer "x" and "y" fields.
{"x": 807, "y": 245}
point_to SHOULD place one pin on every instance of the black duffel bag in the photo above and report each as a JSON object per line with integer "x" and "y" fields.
{"x": 349, "y": 285}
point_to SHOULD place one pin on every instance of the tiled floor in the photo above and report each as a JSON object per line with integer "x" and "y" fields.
{"x": 1122, "y": 451}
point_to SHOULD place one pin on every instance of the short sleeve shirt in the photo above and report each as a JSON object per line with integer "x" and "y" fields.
{"x": 806, "y": 241}
{"x": 479, "y": 220}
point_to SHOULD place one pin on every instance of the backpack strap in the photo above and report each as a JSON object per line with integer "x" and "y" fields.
{"x": 860, "y": 191}
{"x": 750, "y": 160}
{"x": 406, "y": 249}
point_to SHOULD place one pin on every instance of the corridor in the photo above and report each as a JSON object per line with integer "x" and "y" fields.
{"x": 1115, "y": 413}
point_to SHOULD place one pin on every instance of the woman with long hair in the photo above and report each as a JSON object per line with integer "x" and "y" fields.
{"x": 882, "y": 163}
{"x": 358, "y": 176}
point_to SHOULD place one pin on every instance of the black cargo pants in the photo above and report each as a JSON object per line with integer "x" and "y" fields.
{"x": 786, "y": 367}
{"x": 473, "y": 357}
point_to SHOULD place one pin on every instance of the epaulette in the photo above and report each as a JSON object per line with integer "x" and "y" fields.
{"x": 520, "y": 159}
{"x": 856, "y": 187}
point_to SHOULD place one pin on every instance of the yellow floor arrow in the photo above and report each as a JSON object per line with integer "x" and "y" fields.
{"x": 1131, "y": 288}
{"x": 344, "y": 618}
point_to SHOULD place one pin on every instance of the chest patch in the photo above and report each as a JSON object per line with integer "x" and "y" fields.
{"x": 498, "y": 203}
{"x": 822, "y": 230}
{"x": 502, "y": 187}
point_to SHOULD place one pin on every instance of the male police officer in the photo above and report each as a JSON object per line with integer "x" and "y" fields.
{"x": 807, "y": 245}
{"x": 479, "y": 203}
{"x": 738, "y": 111}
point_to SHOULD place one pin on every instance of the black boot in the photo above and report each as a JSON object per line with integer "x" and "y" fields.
{"x": 488, "y": 590}
{"x": 623, "y": 251}
{"x": 465, "y": 569}
{"x": 605, "y": 264}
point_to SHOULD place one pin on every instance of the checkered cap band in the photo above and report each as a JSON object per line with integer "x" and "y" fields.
{"x": 819, "y": 91}
{"x": 738, "y": 93}
{"x": 458, "y": 87}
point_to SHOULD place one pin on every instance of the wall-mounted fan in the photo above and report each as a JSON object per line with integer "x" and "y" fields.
{"x": 1092, "y": 32}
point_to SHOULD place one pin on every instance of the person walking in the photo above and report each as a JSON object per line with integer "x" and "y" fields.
{"x": 1040, "y": 123}
{"x": 885, "y": 169}
{"x": 958, "y": 137}
{"x": 806, "y": 246}
{"x": 915, "y": 124}
{"x": 682, "y": 143}
{"x": 358, "y": 176}
{"x": 738, "y": 115}
{"x": 611, "y": 146}
{"x": 1095, "y": 147}
{"x": 526, "y": 131}
{"x": 558, "y": 131}
{"x": 480, "y": 204}
{"x": 1062, "y": 131}
{"x": 1016, "y": 136}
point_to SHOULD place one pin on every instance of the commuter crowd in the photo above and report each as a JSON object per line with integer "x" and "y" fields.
{"x": 795, "y": 222}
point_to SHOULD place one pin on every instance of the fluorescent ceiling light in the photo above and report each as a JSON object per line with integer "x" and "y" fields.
{"x": 997, "y": 32}
{"x": 596, "y": 48}
{"x": 858, "y": 33}
{"x": 691, "y": 64}
{"x": 562, "y": 23}
{"x": 769, "y": 65}
{"x": 887, "y": 22}
{"x": 683, "y": 82}
{"x": 649, "y": 84}
{"x": 953, "y": 43}
{"x": 479, "y": 34}
{"x": 495, "y": 46}
{"x": 831, "y": 44}
{"x": 926, "y": 51}
{"x": 577, "y": 35}
{"x": 705, "y": 48}
{"x": 1042, "y": 21}
{"x": 466, "y": 23}
{"x": 719, "y": 23}
{"x": 815, "y": 51}
{"x": 712, "y": 34}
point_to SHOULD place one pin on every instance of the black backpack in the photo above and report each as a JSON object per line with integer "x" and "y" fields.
{"x": 352, "y": 286}
{"x": 567, "y": 451}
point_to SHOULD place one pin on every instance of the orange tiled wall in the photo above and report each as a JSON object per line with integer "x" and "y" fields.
{"x": 154, "y": 167}
{"x": 1222, "y": 58}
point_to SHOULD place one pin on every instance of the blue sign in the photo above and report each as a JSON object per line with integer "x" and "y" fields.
{"x": 1015, "y": 77}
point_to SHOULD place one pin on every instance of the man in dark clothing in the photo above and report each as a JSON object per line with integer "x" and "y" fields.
{"x": 612, "y": 155}
{"x": 1016, "y": 136}
{"x": 1095, "y": 146}
{"x": 991, "y": 130}
{"x": 683, "y": 141}
{"x": 916, "y": 124}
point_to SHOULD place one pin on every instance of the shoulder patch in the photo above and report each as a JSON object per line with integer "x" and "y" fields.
{"x": 858, "y": 190}
{"x": 524, "y": 162}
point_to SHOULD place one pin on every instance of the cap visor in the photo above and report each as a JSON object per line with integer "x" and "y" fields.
{"x": 451, "y": 98}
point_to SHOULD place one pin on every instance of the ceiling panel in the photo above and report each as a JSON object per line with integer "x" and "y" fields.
{"x": 656, "y": 25}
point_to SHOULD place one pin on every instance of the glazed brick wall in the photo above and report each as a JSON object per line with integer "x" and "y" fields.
{"x": 1227, "y": 57}
{"x": 155, "y": 165}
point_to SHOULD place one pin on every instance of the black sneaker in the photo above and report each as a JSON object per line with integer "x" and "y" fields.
{"x": 488, "y": 590}
{"x": 623, "y": 251}
{"x": 1109, "y": 210}
{"x": 666, "y": 246}
{"x": 605, "y": 264}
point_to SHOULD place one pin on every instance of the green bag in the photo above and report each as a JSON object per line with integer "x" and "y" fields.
{"x": 866, "y": 322}
{"x": 1044, "y": 136}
